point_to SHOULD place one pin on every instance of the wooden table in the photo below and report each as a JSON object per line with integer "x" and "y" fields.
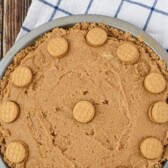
{"x": 12, "y": 15}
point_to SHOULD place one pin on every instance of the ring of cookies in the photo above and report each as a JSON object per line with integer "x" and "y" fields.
{"x": 85, "y": 111}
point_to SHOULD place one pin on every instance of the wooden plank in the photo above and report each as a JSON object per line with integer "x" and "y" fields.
{"x": 14, "y": 15}
{"x": 1, "y": 27}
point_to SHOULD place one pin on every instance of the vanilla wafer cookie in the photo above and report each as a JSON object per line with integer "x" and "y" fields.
{"x": 150, "y": 112}
{"x": 83, "y": 111}
{"x": 9, "y": 111}
{"x": 122, "y": 167}
{"x": 128, "y": 53}
{"x": 16, "y": 152}
{"x": 151, "y": 148}
{"x": 159, "y": 112}
{"x": 57, "y": 47}
{"x": 96, "y": 37}
{"x": 155, "y": 83}
{"x": 22, "y": 76}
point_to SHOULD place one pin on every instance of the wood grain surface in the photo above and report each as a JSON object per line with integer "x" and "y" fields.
{"x": 12, "y": 15}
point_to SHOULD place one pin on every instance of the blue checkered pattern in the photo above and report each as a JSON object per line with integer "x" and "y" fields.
{"x": 149, "y": 15}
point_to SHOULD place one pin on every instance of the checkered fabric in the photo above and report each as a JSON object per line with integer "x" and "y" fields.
{"x": 149, "y": 15}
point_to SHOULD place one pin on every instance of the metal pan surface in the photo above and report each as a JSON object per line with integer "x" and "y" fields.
{"x": 69, "y": 21}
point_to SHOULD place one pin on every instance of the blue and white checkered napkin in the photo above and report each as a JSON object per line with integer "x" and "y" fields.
{"x": 149, "y": 15}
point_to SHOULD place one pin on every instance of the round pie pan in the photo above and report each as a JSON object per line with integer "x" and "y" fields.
{"x": 69, "y": 21}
